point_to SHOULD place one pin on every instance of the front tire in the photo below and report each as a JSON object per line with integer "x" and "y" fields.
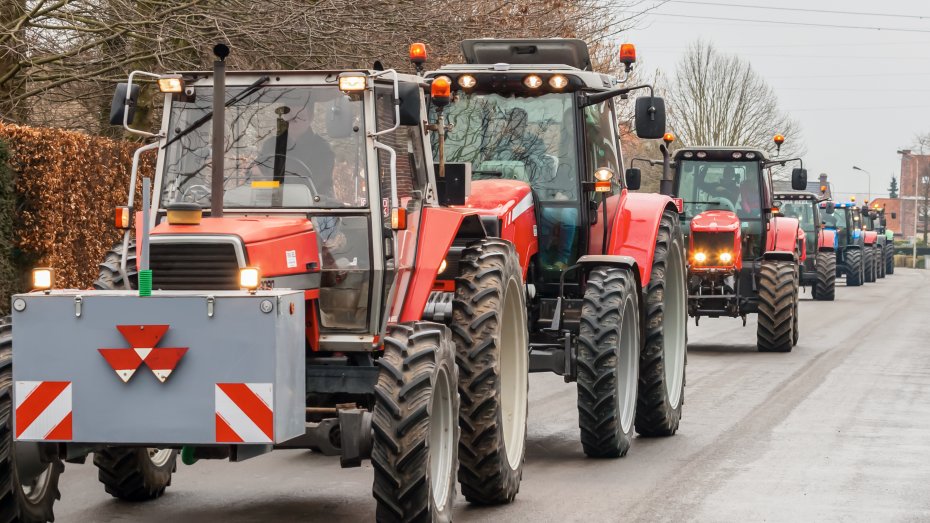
{"x": 415, "y": 424}
{"x": 489, "y": 328}
{"x": 853, "y": 267}
{"x": 825, "y": 286}
{"x": 868, "y": 265}
{"x": 664, "y": 356}
{"x": 608, "y": 362}
{"x": 880, "y": 261}
{"x": 778, "y": 296}
{"x": 32, "y": 503}
{"x": 135, "y": 473}
{"x": 889, "y": 257}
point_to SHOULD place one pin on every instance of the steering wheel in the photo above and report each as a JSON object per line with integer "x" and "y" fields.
{"x": 196, "y": 194}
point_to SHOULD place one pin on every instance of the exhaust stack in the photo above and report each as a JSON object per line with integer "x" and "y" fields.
{"x": 219, "y": 125}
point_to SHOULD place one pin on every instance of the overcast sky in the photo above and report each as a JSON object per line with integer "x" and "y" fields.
{"x": 859, "y": 94}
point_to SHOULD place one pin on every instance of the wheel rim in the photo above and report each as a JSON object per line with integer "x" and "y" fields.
{"x": 514, "y": 373}
{"x": 675, "y": 327}
{"x": 441, "y": 439}
{"x": 36, "y": 490}
{"x": 628, "y": 366}
{"x": 159, "y": 457}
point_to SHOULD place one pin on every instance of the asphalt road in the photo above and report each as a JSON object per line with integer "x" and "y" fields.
{"x": 839, "y": 429}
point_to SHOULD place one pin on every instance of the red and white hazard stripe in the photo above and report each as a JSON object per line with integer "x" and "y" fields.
{"x": 244, "y": 413}
{"x": 43, "y": 410}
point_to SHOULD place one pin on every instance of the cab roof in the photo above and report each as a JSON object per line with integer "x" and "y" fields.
{"x": 718, "y": 153}
{"x": 796, "y": 195}
{"x": 568, "y": 51}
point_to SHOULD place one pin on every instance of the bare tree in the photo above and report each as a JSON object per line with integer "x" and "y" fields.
{"x": 719, "y": 99}
{"x": 60, "y": 58}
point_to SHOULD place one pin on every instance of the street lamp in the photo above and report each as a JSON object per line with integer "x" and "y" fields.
{"x": 870, "y": 179}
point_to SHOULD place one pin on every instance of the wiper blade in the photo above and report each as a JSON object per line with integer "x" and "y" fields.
{"x": 254, "y": 86}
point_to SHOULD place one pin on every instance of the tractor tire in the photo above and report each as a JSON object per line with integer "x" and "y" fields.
{"x": 608, "y": 362}
{"x": 130, "y": 473}
{"x": 868, "y": 265}
{"x": 20, "y": 503}
{"x": 825, "y": 286}
{"x": 889, "y": 258}
{"x": 778, "y": 296}
{"x": 795, "y": 324}
{"x": 854, "y": 271}
{"x": 664, "y": 356}
{"x": 880, "y": 261}
{"x": 489, "y": 328}
{"x": 109, "y": 277}
{"x": 415, "y": 425}
{"x": 135, "y": 473}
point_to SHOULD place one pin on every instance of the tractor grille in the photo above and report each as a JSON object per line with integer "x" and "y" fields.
{"x": 194, "y": 266}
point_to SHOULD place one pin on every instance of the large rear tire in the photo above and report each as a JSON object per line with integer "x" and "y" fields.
{"x": 22, "y": 503}
{"x": 130, "y": 473}
{"x": 854, "y": 270}
{"x": 490, "y": 332}
{"x": 889, "y": 257}
{"x": 664, "y": 356}
{"x": 415, "y": 424}
{"x": 825, "y": 286}
{"x": 778, "y": 296}
{"x": 110, "y": 277}
{"x": 135, "y": 473}
{"x": 608, "y": 362}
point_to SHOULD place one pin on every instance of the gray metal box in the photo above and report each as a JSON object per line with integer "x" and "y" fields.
{"x": 241, "y": 378}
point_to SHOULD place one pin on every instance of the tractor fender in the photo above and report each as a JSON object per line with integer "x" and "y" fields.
{"x": 439, "y": 227}
{"x": 826, "y": 240}
{"x": 512, "y": 202}
{"x": 635, "y": 227}
{"x": 589, "y": 261}
{"x": 783, "y": 235}
{"x": 869, "y": 237}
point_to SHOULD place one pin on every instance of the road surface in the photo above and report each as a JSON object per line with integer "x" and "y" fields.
{"x": 839, "y": 429}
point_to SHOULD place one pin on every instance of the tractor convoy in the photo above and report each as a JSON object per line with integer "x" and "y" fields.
{"x": 368, "y": 264}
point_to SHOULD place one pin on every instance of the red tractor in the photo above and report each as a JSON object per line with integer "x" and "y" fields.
{"x": 604, "y": 267}
{"x": 742, "y": 257}
{"x": 280, "y": 282}
{"x": 818, "y": 268}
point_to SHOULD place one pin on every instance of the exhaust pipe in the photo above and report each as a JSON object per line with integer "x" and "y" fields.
{"x": 219, "y": 130}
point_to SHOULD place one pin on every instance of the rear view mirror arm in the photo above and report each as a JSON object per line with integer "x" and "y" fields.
{"x": 781, "y": 163}
{"x": 588, "y": 99}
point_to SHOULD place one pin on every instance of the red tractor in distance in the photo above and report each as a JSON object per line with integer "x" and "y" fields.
{"x": 742, "y": 257}
{"x": 280, "y": 282}
{"x": 818, "y": 269}
{"x": 604, "y": 267}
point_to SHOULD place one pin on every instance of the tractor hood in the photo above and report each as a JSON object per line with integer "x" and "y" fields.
{"x": 715, "y": 221}
{"x": 249, "y": 230}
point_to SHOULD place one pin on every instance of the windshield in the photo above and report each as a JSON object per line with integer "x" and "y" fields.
{"x": 731, "y": 186}
{"x": 527, "y": 139}
{"x": 286, "y": 147}
{"x": 803, "y": 210}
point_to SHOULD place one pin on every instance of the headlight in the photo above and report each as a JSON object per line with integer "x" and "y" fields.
{"x": 171, "y": 83}
{"x": 726, "y": 257}
{"x": 352, "y": 82}
{"x": 250, "y": 278}
{"x": 533, "y": 81}
{"x": 42, "y": 279}
{"x": 558, "y": 82}
{"x": 700, "y": 257}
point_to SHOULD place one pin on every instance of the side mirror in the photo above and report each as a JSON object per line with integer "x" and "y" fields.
{"x": 340, "y": 122}
{"x": 409, "y": 103}
{"x": 118, "y": 105}
{"x": 456, "y": 185}
{"x": 799, "y": 179}
{"x": 634, "y": 178}
{"x": 650, "y": 117}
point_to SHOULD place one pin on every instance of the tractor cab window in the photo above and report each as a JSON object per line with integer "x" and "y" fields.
{"x": 803, "y": 211}
{"x": 838, "y": 221}
{"x": 724, "y": 185}
{"x": 516, "y": 138}
{"x": 286, "y": 147}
